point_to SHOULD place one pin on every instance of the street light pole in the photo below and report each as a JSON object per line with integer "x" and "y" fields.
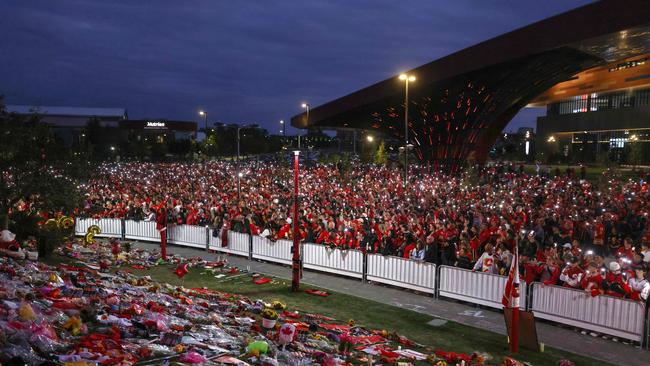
{"x": 238, "y": 173}
{"x": 406, "y": 78}
{"x": 295, "y": 282}
{"x": 306, "y": 106}
{"x": 284, "y": 128}
{"x": 205, "y": 121}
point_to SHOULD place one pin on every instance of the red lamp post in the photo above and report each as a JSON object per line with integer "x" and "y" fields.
{"x": 295, "y": 283}
{"x": 161, "y": 226}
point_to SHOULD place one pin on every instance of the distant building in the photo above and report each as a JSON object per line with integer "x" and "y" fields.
{"x": 69, "y": 124}
{"x": 600, "y": 114}
{"x": 160, "y": 130}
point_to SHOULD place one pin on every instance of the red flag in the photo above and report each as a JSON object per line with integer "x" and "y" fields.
{"x": 511, "y": 294}
{"x": 511, "y": 300}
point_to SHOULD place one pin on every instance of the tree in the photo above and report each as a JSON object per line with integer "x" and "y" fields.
{"x": 36, "y": 174}
{"x": 381, "y": 157}
{"x": 210, "y": 146}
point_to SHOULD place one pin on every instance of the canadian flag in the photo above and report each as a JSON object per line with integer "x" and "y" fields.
{"x": 511, "y": 300}
{"x": 511, "y": 294}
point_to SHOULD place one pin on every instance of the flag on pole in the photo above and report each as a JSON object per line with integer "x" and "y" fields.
{"x": 511, "y": 294}
{"x": 511, "y": 300}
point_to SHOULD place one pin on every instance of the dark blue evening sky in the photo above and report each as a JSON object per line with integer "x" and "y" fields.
{"x": 244, "y": 61}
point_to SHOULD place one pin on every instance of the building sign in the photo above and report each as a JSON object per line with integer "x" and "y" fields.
{"x": 156, "y": 125}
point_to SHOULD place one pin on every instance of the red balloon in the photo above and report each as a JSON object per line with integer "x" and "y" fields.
{"x": 181, "y": 270}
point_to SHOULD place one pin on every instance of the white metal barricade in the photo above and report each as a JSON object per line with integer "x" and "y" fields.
{"x": 81, "y": 226}
{"x": 277, "y": 252}
{"x": 214, "y": 242}
{"x": 187, "y": 235}
{"x": 111, "y": 228}
{"x": 475, "y": 287}
{"x": 141, "y": 230}
{"x": 238, "y": 244}
{"x": 605, "y": 314}
{"x": 321, "y": 258}
{"x": 402, "y": 272}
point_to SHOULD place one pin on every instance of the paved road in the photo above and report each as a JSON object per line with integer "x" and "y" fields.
{"x": 564, "y": 338}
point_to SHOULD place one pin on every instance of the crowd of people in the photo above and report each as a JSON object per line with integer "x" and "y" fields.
{"x": 569, "y": 231}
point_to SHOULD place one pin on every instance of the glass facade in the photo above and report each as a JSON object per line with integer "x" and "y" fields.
{"x": 615, "y": 139}
{"x": 600, "y": 101}
{"x": 631, "y": 146}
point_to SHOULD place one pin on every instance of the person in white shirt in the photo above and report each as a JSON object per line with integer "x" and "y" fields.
{"x": 572, "y": 274}
{"x": 486, "y": 262}
{"x": 639, "y": 284}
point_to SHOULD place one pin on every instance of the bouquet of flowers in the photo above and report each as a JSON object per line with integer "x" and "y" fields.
{"x": 270, "y": 314}
{"x": 269, "y": 317}
{"x": 278, "y": 305}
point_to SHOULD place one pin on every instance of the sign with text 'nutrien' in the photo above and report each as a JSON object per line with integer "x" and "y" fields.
{"x": 156, "y": 125}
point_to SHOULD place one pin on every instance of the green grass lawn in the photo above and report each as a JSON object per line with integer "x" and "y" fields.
{"x": 373, "y": 315}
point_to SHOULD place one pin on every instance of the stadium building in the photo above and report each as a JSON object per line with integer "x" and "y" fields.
{"x": 459, "y": 104}
{"x": 600, "y": 114}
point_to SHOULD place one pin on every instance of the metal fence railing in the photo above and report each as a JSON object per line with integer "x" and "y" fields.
{"x": 275, "y": 252}
{"x": 475, "y": 287}
{"x": 343, "y": 262}
{"x": 401, "y": 272}
{"x": 109, "y": 227}
{"x": 605, "y": 314}
{"x": 141, "y": 230}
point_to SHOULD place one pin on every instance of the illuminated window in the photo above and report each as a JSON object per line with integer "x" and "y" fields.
{"x": 617, "y": 143}
{"x": 596, "y": 102}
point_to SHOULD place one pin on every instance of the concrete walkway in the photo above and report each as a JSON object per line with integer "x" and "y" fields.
{"x": 551, "y": 335}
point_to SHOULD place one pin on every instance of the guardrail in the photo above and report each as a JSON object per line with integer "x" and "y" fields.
{"x": 475, "y": 287}
{"x": 237, "y": 244}
{"x": 402, "y": 272}
{"x": 343, "y": 262}
{"x": 214, "y": 241}
{"x": 109, "y": 227}
{"x": 276, "y": 252}
{"x": 140, "y": 230}
{"x": 187, "y": 235}
{"x": 613, "y": 316}
{"x": 605, "y": 314}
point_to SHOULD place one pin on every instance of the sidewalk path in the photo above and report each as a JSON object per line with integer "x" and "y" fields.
{"x": 447, "y": 309}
